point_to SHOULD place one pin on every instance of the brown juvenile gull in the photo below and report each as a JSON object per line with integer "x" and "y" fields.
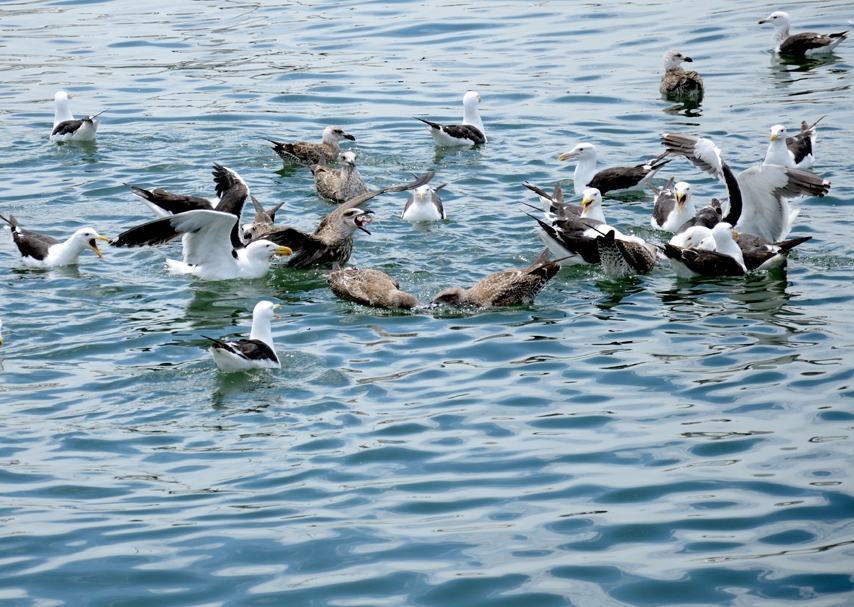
{"x": 470, "y": 132}
{"x": 331, "y": 242}
{"x": 678, "y": 83}
{"x": 304, "y": 153}
{"x": 806, "y": 43}
{"x": 614, "y": 179}
{"x": 370, "y": 288}
{"x": 66, "y": 128}
{"x": 505, "y": 288}
{"x": 624, "y": 257}
{"x": 346, "y": 183}
{"x": 262, "y": 223}
{"x": 42, "y": 251}
{"x": 758, "y": 196}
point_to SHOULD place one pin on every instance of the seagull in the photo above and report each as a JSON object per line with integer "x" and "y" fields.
{"x": 673, "y": 206}
{"x": 41, "y": 251}
{"x": 263, "y": 222}
{"x": 676, "y": 82}
{"x": 470, "y": 132}
{"x": 66, "y": 128}
{"x": 625, "y": 258}
{"x": 573, "y": 239}
{"x": 554, "y": 205}
{"x": 346, "y": 183}
{"x": 759, "y": 254}
{"x": 691, "y": 237}
{"x": 304, "y": 153}
{"x": 505, "y": 288}
{"x": 726, "y": 260}
{"x": 165, "y": 203}
{"x": 424, "y": 204}
{"x": 759, "y": 196}
{"x": 796, "y": 151}
{"x": 806, "y": 43}
{"x": 370, "y": 288}
{"x": 257, "y": 352}
{"x": 213, "y": 248}
{"x": 614, "y": 179}
{"x": 331, "y": 242}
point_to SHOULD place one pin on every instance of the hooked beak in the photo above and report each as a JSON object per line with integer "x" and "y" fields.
{"x": 688, "y": 59}
{"x": 586, "y": 203}
{"x": 282, "y": 251}
{"x": 680, "y": 199}
{"x": 94, "y": 245}
{"x": 277, "y": 306}
{"x": 763, "y": 21}
{"x": 349, "y": 136}
{"x": 773, "y": 136}
{"x": 567, "y": 156}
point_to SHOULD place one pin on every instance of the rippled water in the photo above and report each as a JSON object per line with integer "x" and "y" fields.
{"x": 646, "y": 441}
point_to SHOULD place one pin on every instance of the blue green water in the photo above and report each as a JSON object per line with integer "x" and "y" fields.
{"x": 645, "y": 441}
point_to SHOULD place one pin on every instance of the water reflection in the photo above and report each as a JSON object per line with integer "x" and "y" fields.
{"x": 785, "y": 69}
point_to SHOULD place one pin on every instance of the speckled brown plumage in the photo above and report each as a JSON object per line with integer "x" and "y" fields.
{"x": 624, "y": 257}
{"x": 341, "y": 184}
{"x": 370, "y": 288}
{"x": 305, "y": 153}
{"x": 505, "y": 288}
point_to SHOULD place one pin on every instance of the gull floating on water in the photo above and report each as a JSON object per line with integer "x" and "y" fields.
{"x": 424, "y": 204}
{"x": 806, "y": 43}
{"x": 370, "y": 288}
{"x": 469, "y": 133}
{"x": 614, "y": 179}
{"x": 305, "y": 153}
{"x": 66, "y": 128}
{"x": 678, "y": 83}
{"x": 257, "y": 352}
{"x": 42, "y": 251}
{"x": 797, "y": 151}
{"x": 725, "y": 260}
{"x": 505, "y": 288}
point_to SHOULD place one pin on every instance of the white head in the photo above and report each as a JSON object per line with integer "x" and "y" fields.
{"x": 778, "y": 131}
{"x": 591, "y": 202}
{"x": 334, "y": 134}
{"x": 778, "y": 19}
{"x": 673, "y": 59}
{"x": 725, "y": 243}
{"x": 265, "y": 310}
{"x": 263, "y": 250}
{"x": 582, "y": 151}
{"x": 707, "y": 244}
{"x": 694, "y": 235}
{"x": 87, "y": 237}
{"x": 682, "y": 191}
{"x": 62, "y": 112}
{"x": 470, "y": 100}
{"x": 348, "y": 160}
{"x": 471, "y": 115}
{"x": 423, "y": 194}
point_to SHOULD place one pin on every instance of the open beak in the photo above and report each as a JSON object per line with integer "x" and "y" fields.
{"x": 361, "y": 220}
{"x": 680, "y": 200}
{"x": 586, "y": 203}
{"x": 94, "y": 245}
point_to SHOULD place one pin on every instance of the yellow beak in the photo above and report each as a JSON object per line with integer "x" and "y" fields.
{"x": 283, "y": 251}
{"x": 773, "y": 136}
{"x": 734, "y": 234}
{"x": 94, "y": 246}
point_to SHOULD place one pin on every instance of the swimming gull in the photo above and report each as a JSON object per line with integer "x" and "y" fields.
{"x": 305, "y": 153}
{"x": 614, "y": 179}
{"x": 624, "y": 258}
{"x": 346, "y": 183}
{"x": 505, "y": 288}
{"x": 66, "y": 128}
{"x": 470, "y": 132}
{"x": 797, "y": 151}
{"x": 678, "y": 83}
{"x": 42, "y": 251}
{"x": 370, "y": 288}
{"x": 805, "y": 43}
{"x": 257, "y": 352}
{"x": 726, "y": 260}
{"x": 424, "y": 204}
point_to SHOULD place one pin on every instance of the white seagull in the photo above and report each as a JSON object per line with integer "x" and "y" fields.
{"x": 66, "y": 128}
{"x": 470, "y": 132}
{"x": 806, "y": 43}
{"x": 42, "y": 251}
{"x": 424, "y": 205}
{"x": 614, "y": 179}
{"x": 257, "y": 352}
{"x": 797, "y": 151}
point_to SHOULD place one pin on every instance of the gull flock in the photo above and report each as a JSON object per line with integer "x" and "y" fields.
{"x": 748, "y": 232}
